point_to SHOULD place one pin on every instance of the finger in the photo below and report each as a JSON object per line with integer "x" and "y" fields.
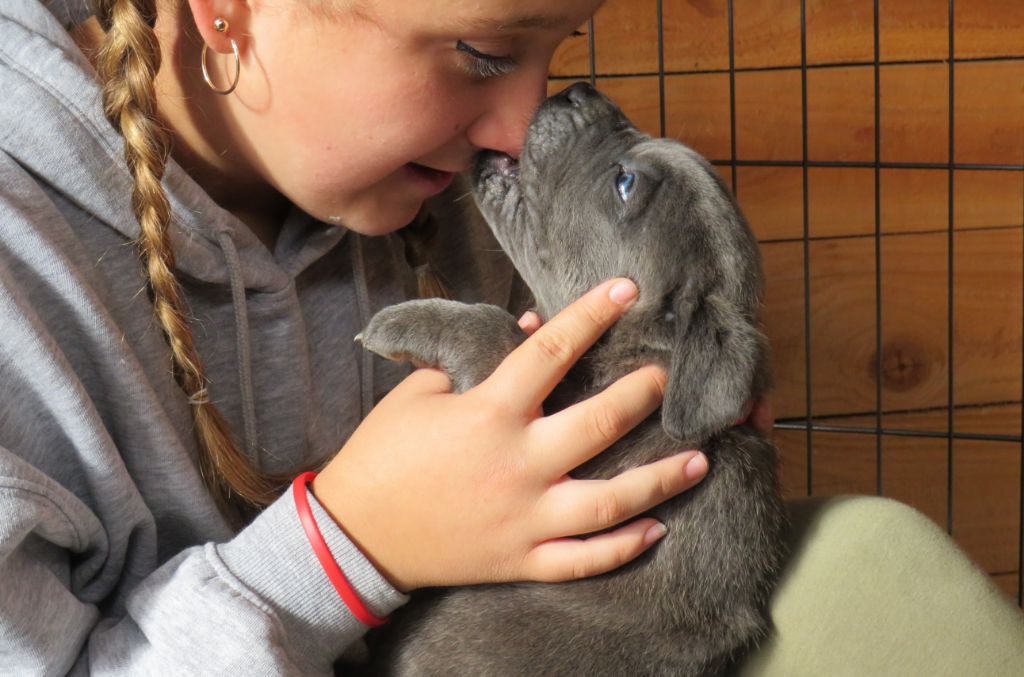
{"x": 585, "y": 506}
{"x": 533, "y": 369}
{"x": 425, "y": 381}
{"x": 529, "y": 322}
{"x": 580, "y": 432}
{"x": 566, "y": 559}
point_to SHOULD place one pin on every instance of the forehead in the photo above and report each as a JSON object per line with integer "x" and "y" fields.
{"x": 671, "y": 157}
{"x": 489, "y": 16}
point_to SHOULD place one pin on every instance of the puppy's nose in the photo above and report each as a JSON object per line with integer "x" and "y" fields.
{"x": 578, "y": 93}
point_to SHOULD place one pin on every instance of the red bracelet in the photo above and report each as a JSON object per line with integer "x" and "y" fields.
{"x": 345, "y": 591}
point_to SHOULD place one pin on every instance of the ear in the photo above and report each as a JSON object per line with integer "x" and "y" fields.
{"x": 235, "y": 12}
{"x": 715, "y": 358}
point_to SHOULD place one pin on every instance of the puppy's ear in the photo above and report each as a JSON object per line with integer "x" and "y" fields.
{"x": 714, "y": 361}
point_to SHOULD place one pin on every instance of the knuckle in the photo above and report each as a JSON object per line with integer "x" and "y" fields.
{"x": 608, "y": 510}
{"x": 581, "y": 568}
{"x": 624, "y": 552}
{"x": 606, "y": 424}
{"x": 594, "y": 313}
{"x": 668, "y": 482}
{"x": 658, "y": 380}
{"x": 555, "y": 345}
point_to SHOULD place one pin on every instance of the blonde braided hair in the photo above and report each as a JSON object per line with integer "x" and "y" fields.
{"x": 127, "y": 62}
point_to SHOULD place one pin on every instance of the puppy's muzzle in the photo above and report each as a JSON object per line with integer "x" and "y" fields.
{"x": 555, "y": 128}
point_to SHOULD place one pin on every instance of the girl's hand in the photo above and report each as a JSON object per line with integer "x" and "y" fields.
{"x": 444, "y": 489}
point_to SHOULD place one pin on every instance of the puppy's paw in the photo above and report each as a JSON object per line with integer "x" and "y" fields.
{"x": 466, "y": 341}
{"x": 408, "y": 331}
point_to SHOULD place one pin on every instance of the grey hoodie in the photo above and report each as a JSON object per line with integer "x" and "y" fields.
{"x": 113, "y": 557}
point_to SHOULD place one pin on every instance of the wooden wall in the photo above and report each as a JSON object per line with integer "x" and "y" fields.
{"x": 875, "y": 244}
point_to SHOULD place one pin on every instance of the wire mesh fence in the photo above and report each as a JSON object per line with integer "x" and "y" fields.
{"x": 876, "y": 135}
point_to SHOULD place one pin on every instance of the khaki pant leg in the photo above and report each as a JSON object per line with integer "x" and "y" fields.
{"x": 873, "y": 587}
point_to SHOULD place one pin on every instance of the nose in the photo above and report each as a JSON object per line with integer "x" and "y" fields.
{"x": 509, "y": 108}
{"x": 577, "y": 94}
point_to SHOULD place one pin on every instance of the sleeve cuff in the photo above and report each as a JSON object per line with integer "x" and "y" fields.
{"x": 272, "y": 557}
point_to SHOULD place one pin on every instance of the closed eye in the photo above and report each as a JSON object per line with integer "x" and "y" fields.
{"x": 484, "y": 65}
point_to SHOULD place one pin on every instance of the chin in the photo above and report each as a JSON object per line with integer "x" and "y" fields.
{"x": 375, "y": 219}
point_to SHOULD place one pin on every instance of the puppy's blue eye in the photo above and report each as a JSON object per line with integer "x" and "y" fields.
{"x": 624, "y": 184}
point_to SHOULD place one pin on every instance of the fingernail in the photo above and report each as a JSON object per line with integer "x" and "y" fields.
{"x": 654, "y": 533}
{"x": 696, "y": 467}
{"x": 623, "y": 292}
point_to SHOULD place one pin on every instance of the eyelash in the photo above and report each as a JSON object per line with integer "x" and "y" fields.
{"x": 486, "y": 65}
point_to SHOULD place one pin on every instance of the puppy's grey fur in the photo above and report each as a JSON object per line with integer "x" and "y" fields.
{"x": 699, "y": 596}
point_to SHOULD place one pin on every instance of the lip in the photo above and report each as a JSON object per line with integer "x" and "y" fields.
{"x": 431, "y": 181}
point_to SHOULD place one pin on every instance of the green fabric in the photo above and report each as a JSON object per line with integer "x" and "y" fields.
{"x": 874, "y": 587}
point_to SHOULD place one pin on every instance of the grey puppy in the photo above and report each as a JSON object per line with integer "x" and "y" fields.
{"x": 592, "y": 198}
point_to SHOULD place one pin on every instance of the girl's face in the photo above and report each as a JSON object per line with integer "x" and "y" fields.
{"x": 359, "y": 117}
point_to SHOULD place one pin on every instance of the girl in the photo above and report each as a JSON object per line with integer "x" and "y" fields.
{"x": 187, "y": 190}
{"x": 187, "y": 248}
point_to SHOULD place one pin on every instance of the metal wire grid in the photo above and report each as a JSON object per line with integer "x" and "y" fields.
{"x": 808, "y": 424}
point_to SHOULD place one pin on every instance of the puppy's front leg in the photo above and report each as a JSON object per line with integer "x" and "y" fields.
{"x": 467, "y": 341}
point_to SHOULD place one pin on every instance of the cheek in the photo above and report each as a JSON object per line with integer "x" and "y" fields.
{"x": 349, "y": 132}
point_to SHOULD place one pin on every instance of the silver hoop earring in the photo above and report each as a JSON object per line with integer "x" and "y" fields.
{"x": 221, "y": 26}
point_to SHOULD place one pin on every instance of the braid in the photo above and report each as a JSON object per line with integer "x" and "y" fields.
{"x": 419, "y": 238}
{"x": 127, "y": 62}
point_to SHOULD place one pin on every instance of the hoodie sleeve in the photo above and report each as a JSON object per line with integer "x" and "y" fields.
{"x": 112, "y": 558}
{"x": 257, "y": 604}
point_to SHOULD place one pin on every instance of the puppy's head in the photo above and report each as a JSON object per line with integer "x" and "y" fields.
{"x": 591, "y": 198}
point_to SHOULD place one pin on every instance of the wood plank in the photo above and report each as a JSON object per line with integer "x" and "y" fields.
{"x": 725, "y": 172}
{"x": 914, "y": 323}
{"x": 915, "y": 471}
{"x": 783, "y": 317}
{"x": 842, "y": 325}
{"x": 986, "y": 485}
{"x": 913, "y": 31}
{"x": 772, "y": 200}
{"x": 841, "y": 114}
{"x": 792, "y": 448}
{"x": 843, "y": 464}
{"x": 696, "y": 34}
{"x": 986, "y": 502}
{"x": 840, "y": 31}
{"x": 989, "y": 28}
{"x": 987, "y": 308}
{"x": 993, "y": 419}
{"x": 841, "y": 201}
{"x": 1008, "y": 583}
{"x": 572, "y": 58}
{"x": 638, "y": 99}
{"x": 766, "y": 33}
{"x": 914, "y": 113}
{"x": 769, "y": 115}
{"x": 989, "y": 110}
{"x": 984, "y": 199}
{"x": 987, "y": 304}
{"x": 913, "y": 199}
{"x": 697, "y": 113}
{"x": 626, "y": 37}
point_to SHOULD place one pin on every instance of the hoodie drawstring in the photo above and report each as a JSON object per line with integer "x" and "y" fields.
{"x": 244, "y": 348}
{"x": 244, "y": 345}
{"x": 363, "y": 303}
